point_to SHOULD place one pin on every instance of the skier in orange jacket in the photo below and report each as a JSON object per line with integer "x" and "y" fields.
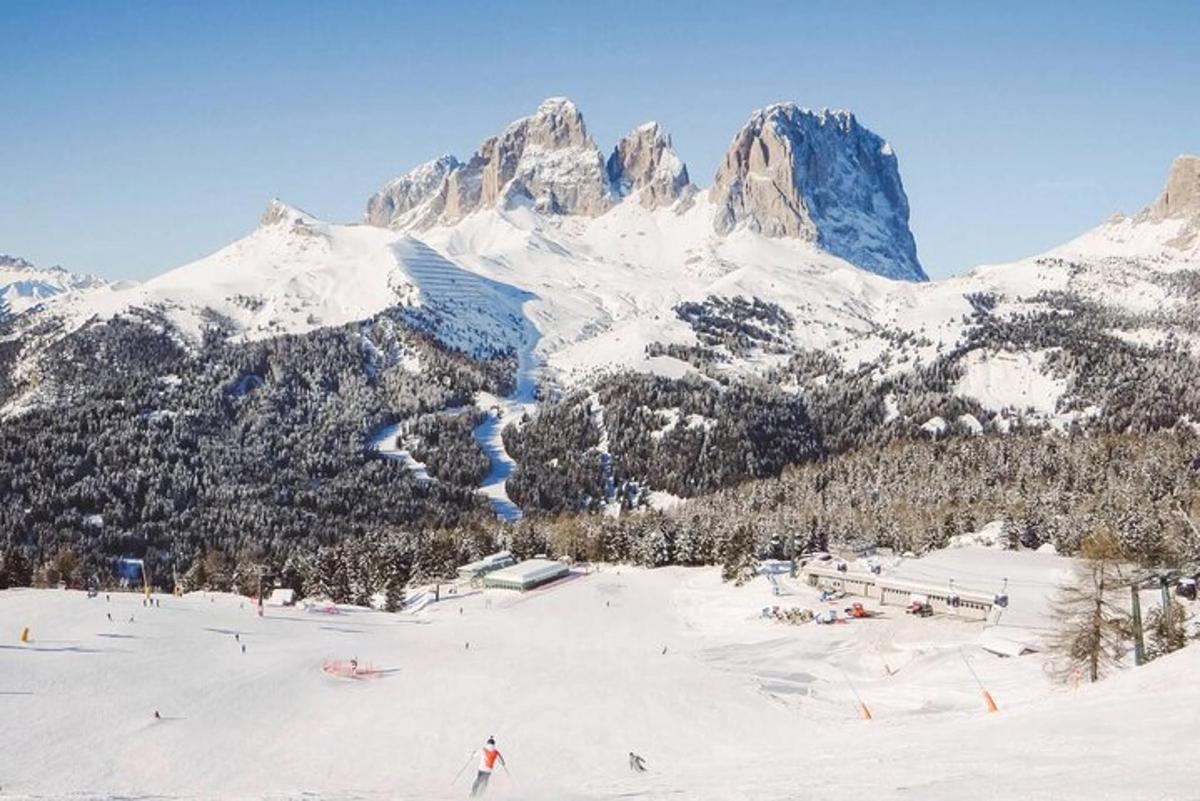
{"x": 488, "y": 755}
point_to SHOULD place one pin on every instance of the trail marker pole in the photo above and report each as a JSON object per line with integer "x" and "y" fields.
{"x": 862, "y": 707}
{"x": 987, "y": 697}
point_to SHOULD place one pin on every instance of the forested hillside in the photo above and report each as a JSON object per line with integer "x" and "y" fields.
{"x": 141, "y": 446}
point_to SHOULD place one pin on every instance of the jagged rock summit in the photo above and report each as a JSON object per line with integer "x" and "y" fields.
{"x": 393, "y": 203}
{"x": 790, "y": 172}
{"x": 1170, "y": 225}
{"x": 1181, "y": 198}
{"x": 820, "y": 176}
{"x": 644, "y": 162}
{"x": 546, "y": 161}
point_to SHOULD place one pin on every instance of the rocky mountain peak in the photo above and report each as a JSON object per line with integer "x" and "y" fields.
{"x": 546, "y": 161}
{"x": 398, "y": 198}
{"x": 1181, "y": 198}
{"x": 819, "y": 176}
{"x": 14, "y": 263}
{"x": 279, "y": 213}
{"x": 644, "y": 161}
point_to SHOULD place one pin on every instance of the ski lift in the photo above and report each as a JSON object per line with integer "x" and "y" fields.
{"x": 1001, "y": 599}
{"x": 952, "y": 599}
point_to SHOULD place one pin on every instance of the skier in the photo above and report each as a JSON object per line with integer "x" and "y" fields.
{"x": 487, "y": 761}
{"x": 636, "y": 763}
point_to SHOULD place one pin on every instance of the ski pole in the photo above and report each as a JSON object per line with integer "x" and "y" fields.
{"x": 464, "y": 767}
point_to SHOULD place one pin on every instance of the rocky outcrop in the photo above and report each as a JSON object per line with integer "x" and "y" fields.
{"x": 790, "y": 172}
{"x": 819, "y": 176}
{"x": 284, "y": 216}
{"x": 1181, "y": 198}
{"x": 545, "y": 161}
{"x": 400, "y": 197}
{"x": 644, "y": 162}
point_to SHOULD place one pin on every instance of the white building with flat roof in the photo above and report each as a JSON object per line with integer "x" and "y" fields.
{"x": 487, "y": 564}
{"x": 526, "y": 575}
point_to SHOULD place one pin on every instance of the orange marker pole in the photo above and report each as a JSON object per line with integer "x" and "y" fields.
{"x": 988, "y": 701}
{"x": 862, "y": 707}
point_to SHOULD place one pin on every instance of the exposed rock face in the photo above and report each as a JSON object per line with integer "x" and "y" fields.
{"x": 280, "y": 214}
{"x": 644, "y": 161}
{"x": 790, "y": 172}
{"x": 392, "y": 204}
{"x": 820, "y": 176}
{"x": 546, "y": 161}
{"x": 1181, "y": 198}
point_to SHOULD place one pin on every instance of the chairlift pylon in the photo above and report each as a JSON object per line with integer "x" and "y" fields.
{"x": 1001, "y": 599}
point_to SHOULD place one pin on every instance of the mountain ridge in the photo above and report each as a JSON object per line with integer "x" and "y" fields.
{"x": 832, "y": 181}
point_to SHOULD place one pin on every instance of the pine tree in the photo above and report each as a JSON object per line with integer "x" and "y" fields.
{"x": 738, "y": 557}
{"x": 15, "y": 570}
{"x": 1167, "y": 630}
{"x": 1093, "y": 628}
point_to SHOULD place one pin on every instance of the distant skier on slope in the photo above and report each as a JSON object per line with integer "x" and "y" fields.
{"x": 636, "y": 763}
{"x": 488, "y": 755}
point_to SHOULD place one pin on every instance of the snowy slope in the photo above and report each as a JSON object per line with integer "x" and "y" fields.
{"x": 569, "y": 679}
{"x": 294, "y": 273}
{"x": 589, "y": 294}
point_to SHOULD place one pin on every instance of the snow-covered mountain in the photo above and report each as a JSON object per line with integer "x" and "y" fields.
{"x": 294, "y": 273}
{"x": 558, "y": 331}
{"x": 822, "y": 177}
{"x": 23, "y": 285}
{"x": 794, "y": 173}
{"x": 546, "y": 161}
{"x": 540, "y": 245}
{"x": 588, "y": 243}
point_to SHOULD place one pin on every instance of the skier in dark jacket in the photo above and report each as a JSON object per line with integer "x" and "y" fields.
{"x": 636, "y": 763}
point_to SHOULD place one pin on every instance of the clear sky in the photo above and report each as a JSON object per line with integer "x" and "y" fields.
{"x": 137, "y": 136}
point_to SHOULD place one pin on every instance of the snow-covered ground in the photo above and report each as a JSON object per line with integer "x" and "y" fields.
{"x": 386, "y": 442}
{"x": 670, "y": 663}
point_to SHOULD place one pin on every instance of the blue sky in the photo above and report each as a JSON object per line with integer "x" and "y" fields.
{"x": 137, "y": 136}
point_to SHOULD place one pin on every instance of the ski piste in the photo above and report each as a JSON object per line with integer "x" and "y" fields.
{"x": 570, "y": 678}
